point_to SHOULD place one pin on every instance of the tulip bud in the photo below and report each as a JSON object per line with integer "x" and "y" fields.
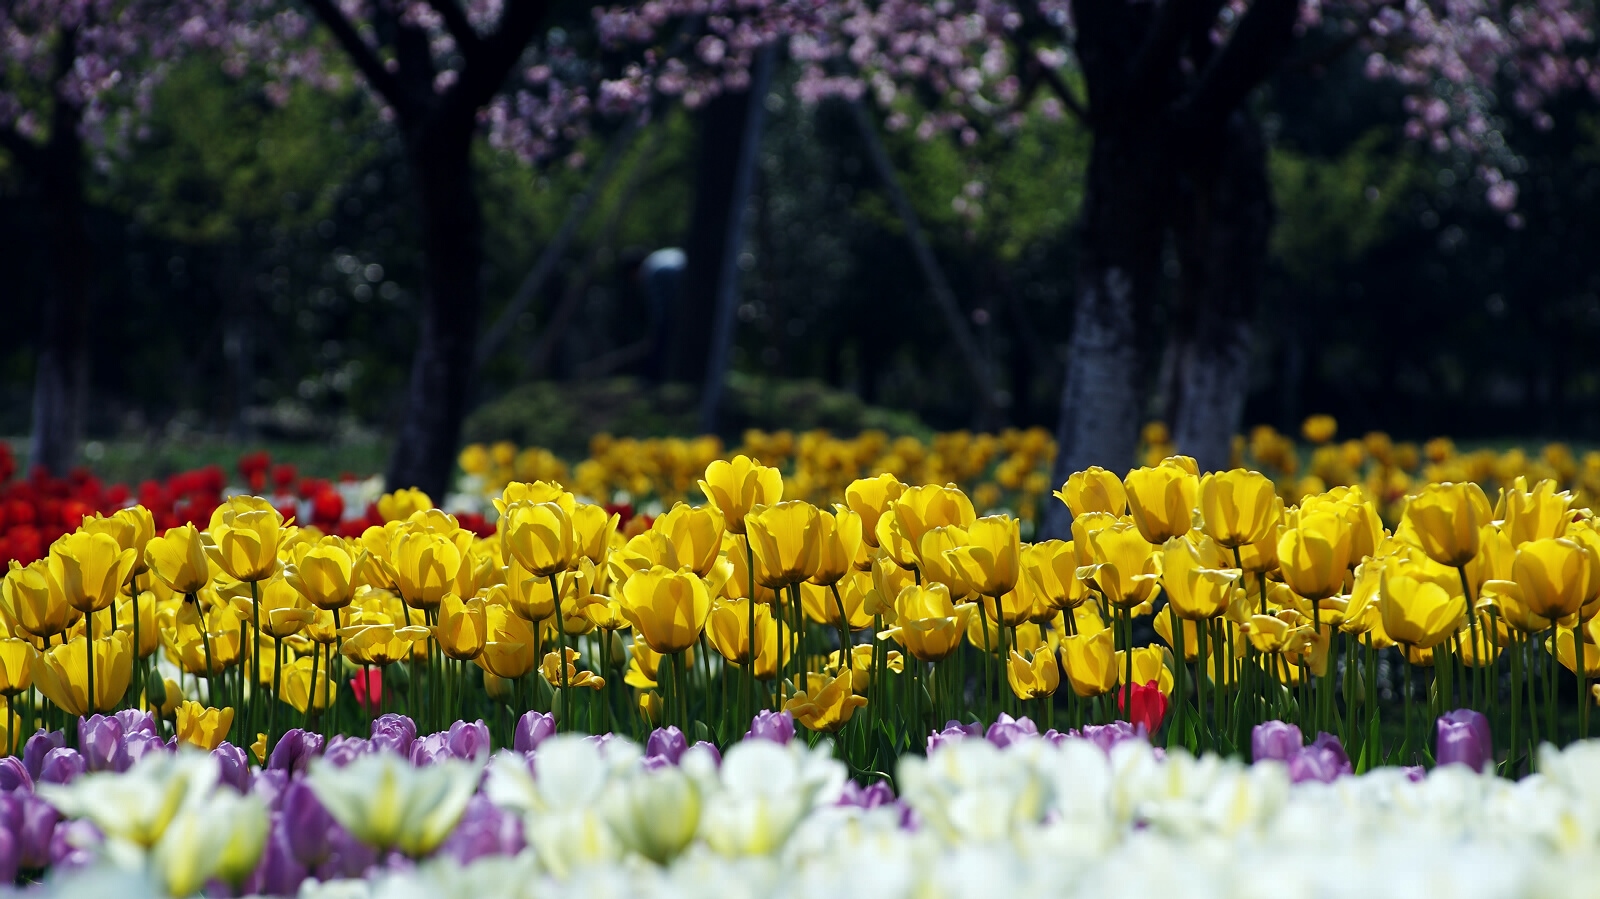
{"x": 1462, "y": 737}
{"x": 1275, "y": 740}
{"x": 532, "y": 729}
{"x": 775, "y": 726}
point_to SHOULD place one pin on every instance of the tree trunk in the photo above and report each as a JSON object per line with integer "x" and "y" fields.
{"x": 1121, "y": 236}
{"x": 61, "y": 371}
{"x": 719, "y": 352}
{"x": 1221, "y": 225}
{"x": 722, "y": 127}
{"x": 442, "y": 369}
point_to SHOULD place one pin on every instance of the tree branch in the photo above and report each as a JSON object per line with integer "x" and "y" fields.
{"x": 1249, "y": 57}
{"x": 365, "y": 58}
{"x": 1063, "y": 92}
{"x": 455, "y": 20}
{"x": 1153, "y": 63}
{"x": 27, "y": 154}
{"x": 485, "y": 71}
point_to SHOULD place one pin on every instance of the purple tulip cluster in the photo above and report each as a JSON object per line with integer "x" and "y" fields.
{"x": 1323, "y": 761}
{"x": 1008, "y": 730}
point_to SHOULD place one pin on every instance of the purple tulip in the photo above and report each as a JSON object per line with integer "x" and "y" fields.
{"x": 39, "y": 746}
{"x": 1008, "y": 730}
{"x": 295, "y": 750}
{"x": 234, "y": 766}
{"x": 62, "y": 766}
{"x": 1415, "y": 773}
{"x": 279, "y": 872}
{"x": 141, "y": 744}
{"x": 134, "y": 721}
{"x": 8, "y": 857}
{"x": 1463, "y": 738}
{"x": 349, "y": 856}
{"x": 1329, "y": 743}
{"x": 484, "y": 830}
{"x": 716, "y": 754}
{"x": 666, "y": 744}
{"x": 532, "y": 729}
{"x": 305, "y": 824}
{"x": 395, "y": 733}
{"x": 14, "y": 775}
{"x": 871, "y": 796}
{"x": 1315, "y": 763}
{"x": 1276, "y": 740}
{"x": 429, "y": 749}
{"x": 775, "y": 726}
{"x": 1106, "y": 736}
{"x": 35, "y": 831}
{"x": 468, "y": 741}
{"x": 73, "y": 844}
{"x": 342, "y": 750}
{"x": 100, "y": 743}
{"x": 269, "y": 786}
{"x": 953, "y": 730}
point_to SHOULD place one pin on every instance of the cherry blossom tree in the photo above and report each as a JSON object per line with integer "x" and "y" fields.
{"x": 1178, "y": 154}
{"x": 75, "y": 78}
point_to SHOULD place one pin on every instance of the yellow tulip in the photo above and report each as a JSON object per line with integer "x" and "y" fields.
{"x": 1418, "y": 613}
{"x": 33, "y": 598}
{"x": 1282, "y": 632}
{"x": 1162, "y": 500}
{"x": 1537, "y": 514}
{"x": 920, "y": 509}
{"x": 16, "y": 663}
{"x": 870, "y": 498}
{"x": 1084, "y": 527}
{"x": 1093, "y": 490}
{"x": 326, "y": 574}
{"x": 462, "y": 628}
{"x": 840, "y": 547}
{"x": 821, "y": 606}
{"x": 1195, "y": 592}
{"x": 178, "y": 559}
{"x": 1319, "y": 428}
{"x": 728, "y": 629}
{"x": 1566, "y": 653}
{"x": 1052, "y": 570}
{"x": 935, "y": 563}
{"x": 300, "y": 690}
{"x": 592, "y": 529}
{"x": 1149, "y": 664}
{"x": 283, "y": 610}
{"x": 1090, "y": 661}
{"x": 60, "y": 673}
{"x": 1125, "y": 568}
{"x": 929, "y": 625}
{"x": 826, "y": 704}
{"x": 1314, "y": 554}
{"x": 132, "y": 528}
{"x": 667, "y": 608}
{"x": 1033, "y": 675}
{"x": 991, "y": 559}
{"x": 694, "y": 535}
{"x": 738, "y": 487}
{"x": 1191, "y": 636}
{"x": 424, "y": 566}
{"x": 203, "y": 727}
{"x": 1555, "y": 576}
{"x": 786, "y": 541}
{"x": 245, "y": 539}
{"x": 91, "y": 569}
{"x": 1446, "y": 520}
{"x": 181, "y": 632}
{"x": 402, "y": 504}
{"x": 539, "y": 537}
{"x": 380, "y": 643}
{"x": 550, "y": 668}
{"x": 511, "y": 649}
{"x": 1238, "y": 507}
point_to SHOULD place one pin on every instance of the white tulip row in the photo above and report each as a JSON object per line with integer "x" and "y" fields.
{"x": 1032, "y": 819}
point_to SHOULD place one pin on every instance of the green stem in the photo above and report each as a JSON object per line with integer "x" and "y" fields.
{"x": 561, "y": 649}
{"x": 88, "y": 643}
